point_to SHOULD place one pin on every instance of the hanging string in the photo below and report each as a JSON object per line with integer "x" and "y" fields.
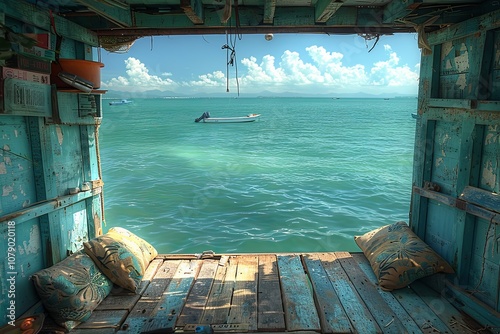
{"x": 230, "y": 47}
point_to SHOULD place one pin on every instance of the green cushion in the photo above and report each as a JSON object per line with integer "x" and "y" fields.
{"x": 398, "y": 256}
{"x": 122, "y": 256}
{"x": 71, "y": 289}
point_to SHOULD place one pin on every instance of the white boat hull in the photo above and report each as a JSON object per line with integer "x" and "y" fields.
{"x": 241, "y": 119}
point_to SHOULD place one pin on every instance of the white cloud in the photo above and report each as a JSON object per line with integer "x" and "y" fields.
{"x": 323, "y": 73}
{"x": 139, "y": 79}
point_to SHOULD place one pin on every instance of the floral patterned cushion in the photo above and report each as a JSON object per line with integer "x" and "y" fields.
{"x": 71, "y": 289}
{"x": 122, "y": 256}
{"x": 398, "y": 256}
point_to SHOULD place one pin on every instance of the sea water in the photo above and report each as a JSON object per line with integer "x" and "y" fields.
{"x": 309, "y": 175}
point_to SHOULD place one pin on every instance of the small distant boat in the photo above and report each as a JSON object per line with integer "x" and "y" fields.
{"x": 206, "y": 118}
{"x": 114, "y": 103}
{"x": 414, "y": 115}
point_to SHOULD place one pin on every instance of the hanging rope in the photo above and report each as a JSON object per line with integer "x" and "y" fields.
{"x": 230, "y": 47}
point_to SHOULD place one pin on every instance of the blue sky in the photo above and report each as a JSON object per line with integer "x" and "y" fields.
{"x": 296, "y": 63}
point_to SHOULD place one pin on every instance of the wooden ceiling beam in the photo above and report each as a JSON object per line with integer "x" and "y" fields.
{"x": 193, "y": 10}
{"x": 325, "y": 9}
{"x": 115, "y": 11}
{"x": 269, "y": 9}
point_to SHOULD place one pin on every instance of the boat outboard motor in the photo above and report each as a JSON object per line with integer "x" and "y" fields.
{"x": 206, "y": 114}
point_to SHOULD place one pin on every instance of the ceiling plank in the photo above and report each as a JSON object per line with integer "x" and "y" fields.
{"x": 112, "y": 10}
{"x": 325, "y": 9}
{"x": 193, "y": 10}
{"x": 269, "y": 8}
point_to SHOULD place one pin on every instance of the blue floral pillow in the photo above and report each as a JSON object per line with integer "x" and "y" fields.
{"x": 71, "y": 289}
{"x": 398, "y": 256}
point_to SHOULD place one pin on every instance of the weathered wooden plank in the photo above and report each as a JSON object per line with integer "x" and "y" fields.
{"x": 105, "y": 319}
{"x": 244, "y": 303}
{"x": 383, "y": 314}
{"x": 219, "y": 300}
{"x": 482, "y": 198}
{"x": 423, "y": 316}
{"x": 458, "y": 322}
{"x": 150, "y": 273}
{"x": 138, "y": 316}
{"x": 300, "y": 312}
{"x": 119, "y": 302}
{"x": 358, "y": 313}
{"x": 198, "y": 297}
{"x": 166, "y": 312}
{"x": 388, "y": 297}
{"x": 161, "y": 280}
{"x": 151, "y": 296}
{"x": 331, "y": 312}
{"x": 270, "y": 305}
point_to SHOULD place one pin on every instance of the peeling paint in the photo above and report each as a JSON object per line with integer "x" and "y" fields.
{"x": 461, "y": 81}
{"x": 7, "y": 190}
{"x": 3, "y": 169}
{"x": 20, "y": 167}
{"x": 439, "y": 161}
{"x": 60, "y": 135}
{"x": 492, "y": 137}
{"x": 488, "y": 176}
{"x": 26, "y": 203}
{"x": 16, "y": 133}
{"x": 32, "y": 246}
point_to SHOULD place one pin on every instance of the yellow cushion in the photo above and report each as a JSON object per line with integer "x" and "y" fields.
{"x": 122, "y": 256}
{"x": 398, "y": 256}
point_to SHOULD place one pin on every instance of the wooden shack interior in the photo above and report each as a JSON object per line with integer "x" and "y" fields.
{"x": 52, "y": 187}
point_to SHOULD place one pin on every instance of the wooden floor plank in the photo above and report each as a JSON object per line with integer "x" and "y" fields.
{"x": 300, "y": 311}
{"x": 197, "y": 299}
{"x": 331, "y": 312}
{"x": 387, "y": 296}
{"x": 150, "y": 298}
{"x": 424, "y": 317}
{"x": 244, "y": 303}
{"x": 172, "y": 301}
{"x": 456, "y": 321}
{"x": 358, "y": 313}
{"x": 383, "y": 314}
{"x": 219, "y": 300}
{"x": 271, "y": 316}
{"x": 104, "y": 319}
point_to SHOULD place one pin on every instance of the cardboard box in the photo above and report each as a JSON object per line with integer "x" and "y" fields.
{"x": 43, "y": 40}
{"x": 25, "y": 98}
{"x": 35, "y": 51}
{"x": 29, "y": 64}
{"x": 16, "y": 73}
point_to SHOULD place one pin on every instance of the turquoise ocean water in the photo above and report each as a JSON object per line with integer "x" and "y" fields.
{"x": 308, "y": 176}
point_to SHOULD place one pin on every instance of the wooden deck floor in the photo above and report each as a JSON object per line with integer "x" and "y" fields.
{"x": 317, "y": 292}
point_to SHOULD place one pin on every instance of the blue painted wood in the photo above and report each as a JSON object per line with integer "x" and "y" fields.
{"x": 169, "y": 306}
{"x": 359, "y": 314}
{"x": 381, "y": 312}
{"x": 486, "y": 199}
{"x": 300, "y": 313}
{"x": 389, "y": 298}
{"x": 16, "y": 165}
{"x": 331, "y": 312}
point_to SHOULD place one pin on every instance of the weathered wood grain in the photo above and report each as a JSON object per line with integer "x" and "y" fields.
{"x": 359, "y": 315}
{"x": 197, "y": 299}
{"x": 383, "y": 314}
{"x": 271, "y": 315}
{"x": 331, "y": 312}
{"x": 219, "y": 300}
{"x": 300, "y": 311}
{"x": 164, "y": 316}
{"x": 244, "y": 302}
